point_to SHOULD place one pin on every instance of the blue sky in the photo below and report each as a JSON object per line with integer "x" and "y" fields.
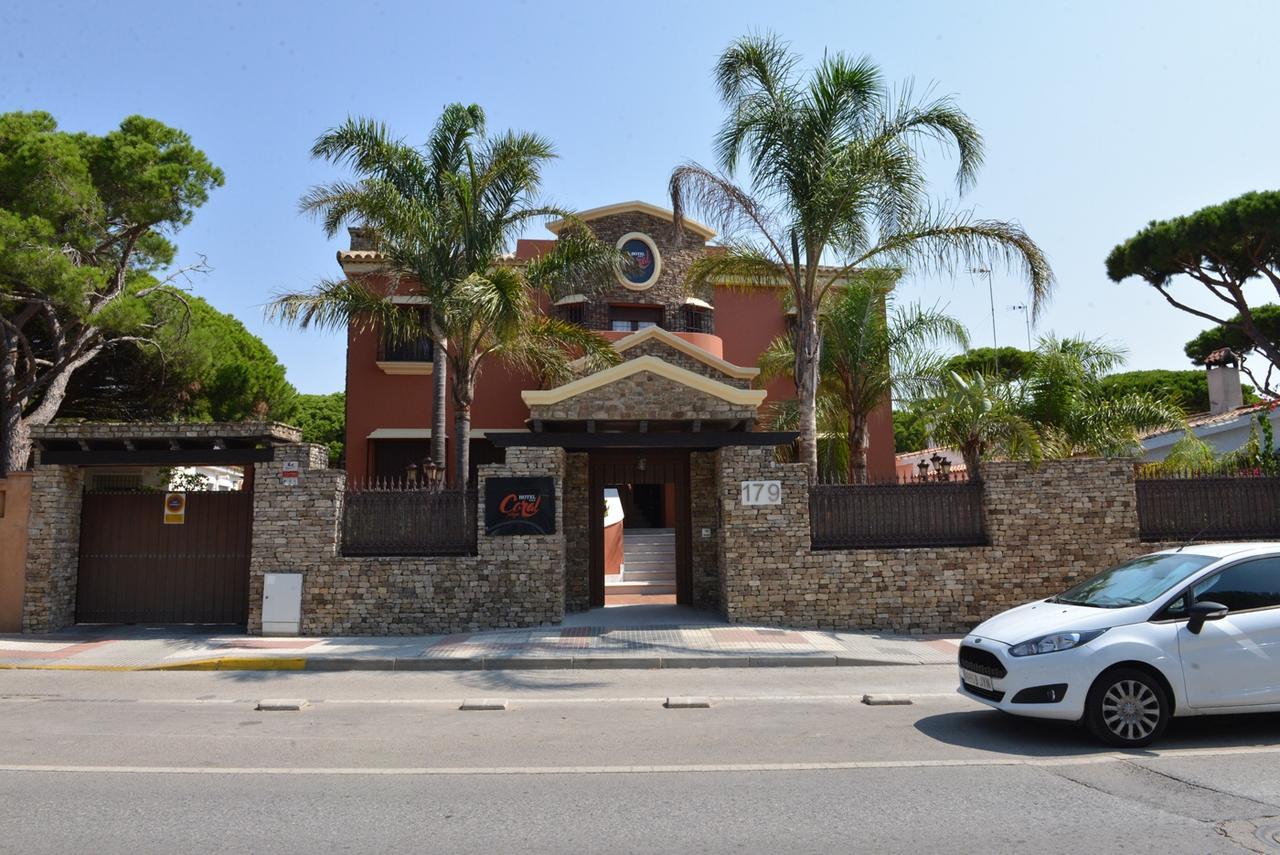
{"x": 1098, "y": 117}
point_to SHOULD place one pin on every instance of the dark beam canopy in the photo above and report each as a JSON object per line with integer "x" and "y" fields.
{"x": 686, "y": 439}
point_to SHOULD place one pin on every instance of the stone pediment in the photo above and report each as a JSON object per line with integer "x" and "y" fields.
{"x": 646, "y": 388}
{"x": 670, "y": 348}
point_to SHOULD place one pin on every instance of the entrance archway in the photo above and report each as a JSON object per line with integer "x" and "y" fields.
{"x": 643, "y": 467}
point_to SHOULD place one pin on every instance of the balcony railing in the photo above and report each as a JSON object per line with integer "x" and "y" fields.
{"x": 416, "y": 350}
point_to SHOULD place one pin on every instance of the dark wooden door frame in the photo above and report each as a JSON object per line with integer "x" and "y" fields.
{"x": 662, "y": 466}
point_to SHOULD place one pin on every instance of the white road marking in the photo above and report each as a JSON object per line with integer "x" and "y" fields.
{"x": 427, "y": 771}
{"x": 542, "y": 701}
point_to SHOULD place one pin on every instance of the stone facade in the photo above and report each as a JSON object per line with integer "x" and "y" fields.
{"x": 53, "y": 548}
{"x": 643, "y": 395}
{"x": 1048, "y": 527}
{"x": 669, "y": 291}
{"x": 511, "y": 581}
{"x": 577, "y": 534}
{"x": 680, "y": 359}
{"x": 107, "y": 431}
{"x": 704, "y": 513}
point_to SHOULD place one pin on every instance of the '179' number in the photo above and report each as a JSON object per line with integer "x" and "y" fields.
{"x": 761, "y": 492}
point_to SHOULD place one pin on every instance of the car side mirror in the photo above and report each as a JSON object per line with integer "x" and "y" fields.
{"x": 1203, "y": 611}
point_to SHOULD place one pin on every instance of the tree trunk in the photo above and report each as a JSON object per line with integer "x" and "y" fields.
{"x": 10, "y": 412}
{"x": 50, "y": 402}
{"x": 807, "y": 348}
{"x": 462, "y": 444}
{"x": 439, "y": 395}
{"x": 15, "y": 440}
{"x": 972, "y": 462}
{"x": 857, "y": 449}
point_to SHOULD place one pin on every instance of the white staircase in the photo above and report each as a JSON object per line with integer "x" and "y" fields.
{"x": 648, "y": 563}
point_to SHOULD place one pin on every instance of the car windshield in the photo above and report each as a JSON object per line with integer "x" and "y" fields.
{"x": 1135, "y": 582}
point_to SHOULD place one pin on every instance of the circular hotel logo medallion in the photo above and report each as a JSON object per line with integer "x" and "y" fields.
{"x": 645, "y": 261}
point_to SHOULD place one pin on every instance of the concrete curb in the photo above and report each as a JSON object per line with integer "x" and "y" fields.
{"x": 497, "y": 663}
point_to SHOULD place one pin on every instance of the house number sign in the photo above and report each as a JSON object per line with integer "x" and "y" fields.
{"x": 761, "y": 492}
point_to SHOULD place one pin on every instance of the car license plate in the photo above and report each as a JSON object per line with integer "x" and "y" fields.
{"x": 973, "y": 678}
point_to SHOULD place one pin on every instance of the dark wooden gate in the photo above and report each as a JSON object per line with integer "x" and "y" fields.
{"x": 641, "y": 466}
{"x": 136, "y": 569}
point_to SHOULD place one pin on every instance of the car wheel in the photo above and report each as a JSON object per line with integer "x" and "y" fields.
{"x": 1127, "y": 708}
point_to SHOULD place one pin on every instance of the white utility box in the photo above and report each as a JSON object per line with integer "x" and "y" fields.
{"x": 281, "y": 603}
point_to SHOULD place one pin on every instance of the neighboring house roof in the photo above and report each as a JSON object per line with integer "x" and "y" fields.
{"x": 913, "y": 458}
{"x": 1210, "y": 426}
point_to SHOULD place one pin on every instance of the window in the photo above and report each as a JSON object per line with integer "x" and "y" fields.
{"x": 412, "y": 350}
{"x": 632, "y": 318}
{"x": 392, "y": 457}
{"x": 1135, "y": 582}
{"x": 697, "y": 319}
{"x": 1251, "y": 585}
{"x": 574, "y": 313}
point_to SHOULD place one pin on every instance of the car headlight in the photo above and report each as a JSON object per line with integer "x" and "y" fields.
{"x": 1054, "y": 642}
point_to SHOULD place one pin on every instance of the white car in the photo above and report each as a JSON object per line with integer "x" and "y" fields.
{"x": 1190, "y": 631}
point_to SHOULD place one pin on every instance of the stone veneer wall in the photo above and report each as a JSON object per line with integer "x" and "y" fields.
{"x": 1048, "y": 527}
{"x": 577, "y": 533}
{"x": 704, "y": 513}
{"x": 680, "y": 359}
{"x": 53, "y": 548}
{"x": 512, "y": 581}
{"x": 669, "y": 290}
{"x": 643, "y": 395}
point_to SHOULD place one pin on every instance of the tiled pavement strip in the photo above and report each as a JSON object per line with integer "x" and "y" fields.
{"x": 685, "y": 646}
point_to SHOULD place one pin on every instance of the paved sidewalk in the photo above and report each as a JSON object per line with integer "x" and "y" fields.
{"x": 691, "y": 644}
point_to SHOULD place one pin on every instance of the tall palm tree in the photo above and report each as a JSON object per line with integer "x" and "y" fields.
{"x": 872, "y": 352}
{"x": 442, "y": 216}
{"x": 403, "y": 198}
{"x": 836, "y": 175}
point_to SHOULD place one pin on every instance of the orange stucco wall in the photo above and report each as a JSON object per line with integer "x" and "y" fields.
{"x": 613, "y": 548}
{"x": 745, "y": 322}
{"x": 15, "y": 506}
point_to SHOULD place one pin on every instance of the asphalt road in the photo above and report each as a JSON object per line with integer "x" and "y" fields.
{"x": 784, "y": 761}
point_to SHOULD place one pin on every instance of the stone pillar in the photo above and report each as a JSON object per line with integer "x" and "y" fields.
{"x": 704, "y": 513}
{"x": 760, "y": 545}
{"x": 53, "y": 548}
{"x": 525, "y": 574}
{"x": 577, "y": 533}
{"x": 295, "y": 527}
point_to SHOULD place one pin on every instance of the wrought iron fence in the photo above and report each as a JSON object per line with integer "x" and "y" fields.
{"x": 897, "y": 516}
{"x": 397, "y": 519}
{"x": 1189, "y": 505}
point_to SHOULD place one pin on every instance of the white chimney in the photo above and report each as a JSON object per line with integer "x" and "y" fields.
{"x": 1223, "y": 370}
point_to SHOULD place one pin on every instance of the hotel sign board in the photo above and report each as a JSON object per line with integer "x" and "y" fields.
{"x": 519, "y": 506}
{"x": 761, "y": 492}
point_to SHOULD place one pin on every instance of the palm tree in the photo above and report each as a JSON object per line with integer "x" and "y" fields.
{"x": 871, "y": 352}
{"x": 403, "y": 198}
{"x": 835, "y": 175}
{"x": 978, "y": 415}
{"x": 442, "y": 216}
{"x": 494, "y": 314}
{"x": 1063, "y": 396}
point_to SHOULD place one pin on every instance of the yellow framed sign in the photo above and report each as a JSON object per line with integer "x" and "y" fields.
{"x": 175, "y": 508}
